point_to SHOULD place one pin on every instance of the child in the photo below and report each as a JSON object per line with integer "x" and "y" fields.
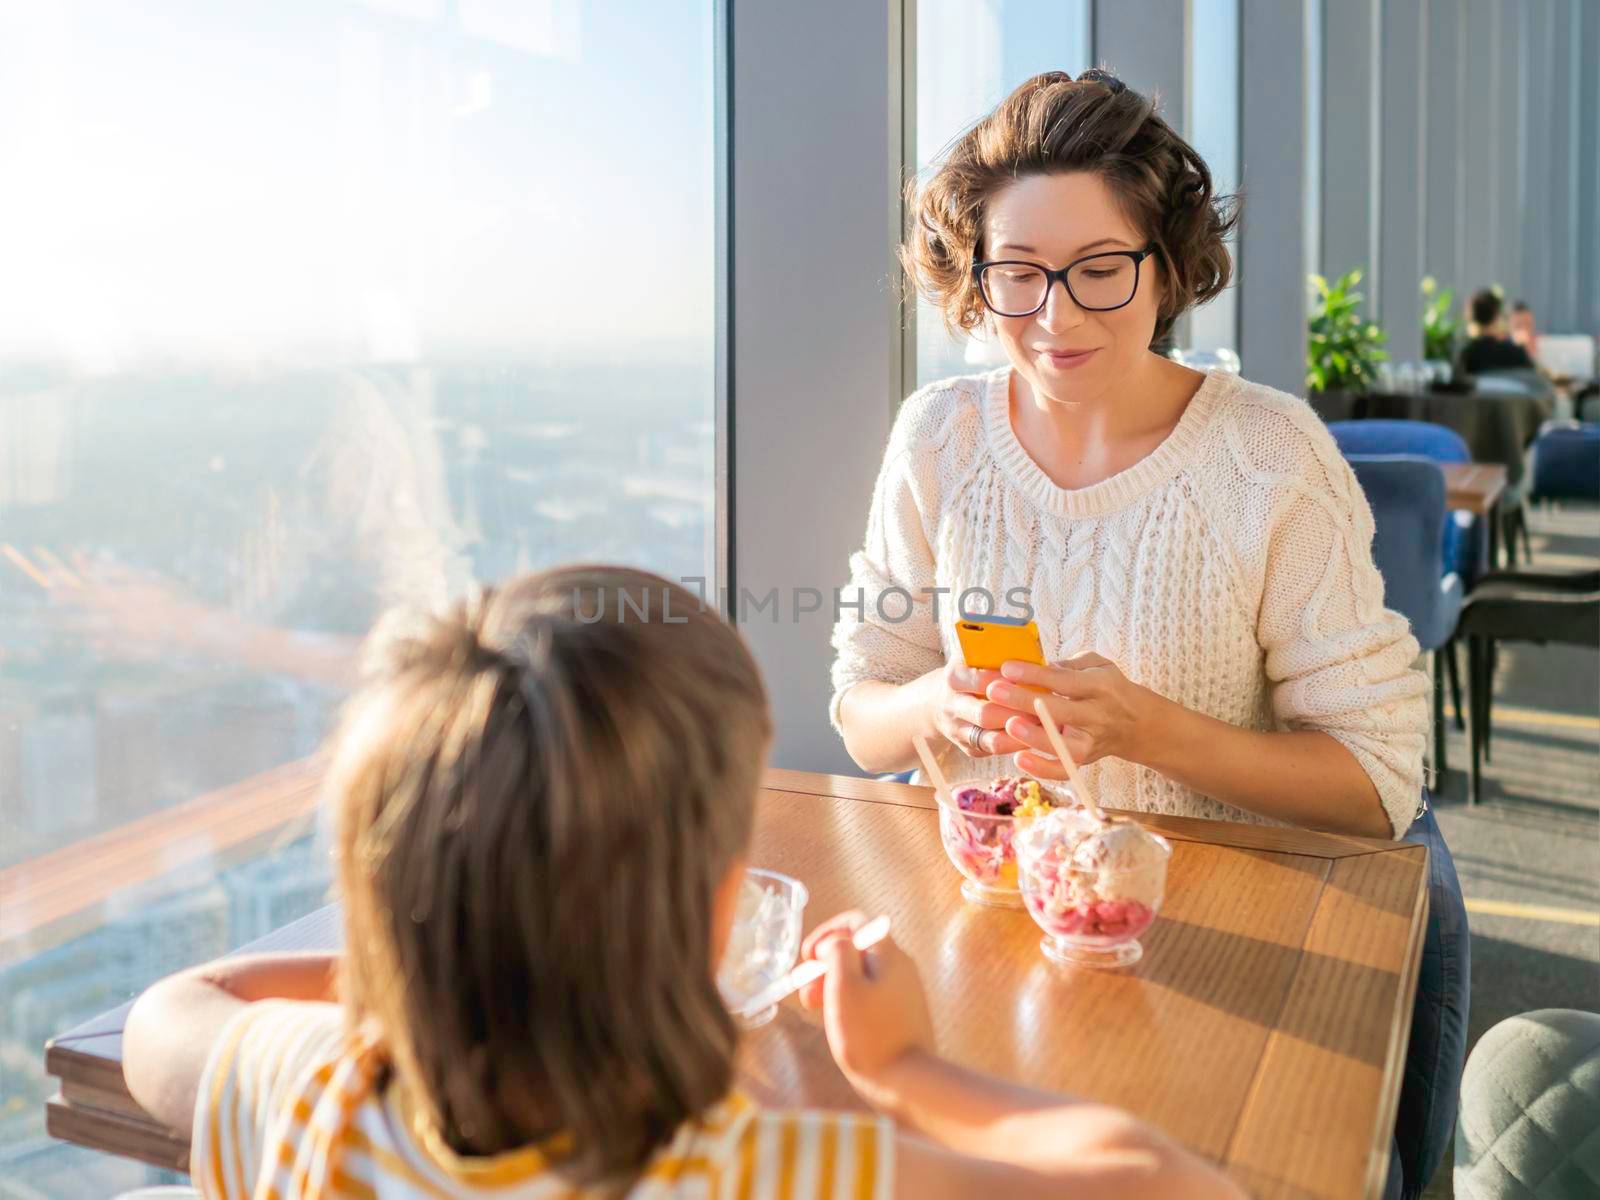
{"x": 542, "y": 806}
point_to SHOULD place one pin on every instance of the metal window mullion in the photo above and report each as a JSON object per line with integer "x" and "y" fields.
{"x": 724, "y": 558}
{"x": 902, "y": 165}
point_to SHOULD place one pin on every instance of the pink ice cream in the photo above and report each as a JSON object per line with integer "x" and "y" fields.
{"x": 1082, "y": 878}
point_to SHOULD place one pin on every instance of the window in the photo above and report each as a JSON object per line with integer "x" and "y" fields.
{"x": 969, "y": 55}
{"x": 1213, "y": 108}
{"x": 308, "y": 309}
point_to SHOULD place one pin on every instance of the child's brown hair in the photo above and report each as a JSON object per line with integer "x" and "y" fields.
{"x": 536, "y": 797}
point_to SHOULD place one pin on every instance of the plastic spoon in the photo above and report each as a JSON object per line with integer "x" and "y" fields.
{"x": 930, "y": 766}
{"x": 868, "y": 936}
{"x": 1060, "y": 746}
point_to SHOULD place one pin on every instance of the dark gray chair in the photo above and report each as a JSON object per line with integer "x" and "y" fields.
{"x": 1519, "y": 606}
{"x": 1587, "y": 403}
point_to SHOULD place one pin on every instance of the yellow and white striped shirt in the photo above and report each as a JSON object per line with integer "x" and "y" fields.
{"x": 287, "y": 1111}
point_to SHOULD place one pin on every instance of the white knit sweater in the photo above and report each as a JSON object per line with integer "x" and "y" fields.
{"x": 1230, "y": 570}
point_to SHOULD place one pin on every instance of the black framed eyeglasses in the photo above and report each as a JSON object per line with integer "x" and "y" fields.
{"x": 1096, "y": 283}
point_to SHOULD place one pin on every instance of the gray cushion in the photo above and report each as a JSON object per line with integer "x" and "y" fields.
{"x": 1530, "y": 1110}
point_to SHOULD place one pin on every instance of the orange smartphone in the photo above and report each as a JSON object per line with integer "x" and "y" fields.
{"x": 986, "y": 642}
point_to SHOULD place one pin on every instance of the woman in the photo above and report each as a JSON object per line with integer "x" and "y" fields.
{"x": 1197, "y": 552}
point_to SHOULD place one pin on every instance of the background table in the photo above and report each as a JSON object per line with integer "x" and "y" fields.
{"x": 1473, "y": 487}
{"x": 1477, "y": 488}
{"x": 1265, "y": 1027}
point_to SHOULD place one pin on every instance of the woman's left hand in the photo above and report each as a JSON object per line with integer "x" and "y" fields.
{"x": 1100, "y": 711}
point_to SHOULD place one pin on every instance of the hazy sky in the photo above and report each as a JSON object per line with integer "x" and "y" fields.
{"x": 309, "y": 180}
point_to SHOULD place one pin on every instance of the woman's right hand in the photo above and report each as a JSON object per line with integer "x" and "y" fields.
{"x": 962, "y": 714}
{"x": 873, "y": 1006}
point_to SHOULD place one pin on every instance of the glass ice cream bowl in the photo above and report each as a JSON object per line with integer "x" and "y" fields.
{"x": 764, "y": 942}
{"x": 1092, "y": 887}
{"x": 978, "y": 833}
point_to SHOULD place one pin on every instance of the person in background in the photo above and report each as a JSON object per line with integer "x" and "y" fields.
{"x": 1523, "y": 331}
{"x": 542, "y": 820}
{"x": 1489, "y": 349}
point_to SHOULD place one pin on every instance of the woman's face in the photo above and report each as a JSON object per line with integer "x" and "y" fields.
{"x": 1067, "y": 353}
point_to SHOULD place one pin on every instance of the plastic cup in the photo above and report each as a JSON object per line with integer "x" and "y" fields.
{"x": 980, "y": 846}
{"x": 1090, "y": 917}
{"x": 764, "y": 942}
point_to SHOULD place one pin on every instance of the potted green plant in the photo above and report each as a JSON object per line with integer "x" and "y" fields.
{"x": 1343, "y": 348}
{"x": 1440, "y": 330}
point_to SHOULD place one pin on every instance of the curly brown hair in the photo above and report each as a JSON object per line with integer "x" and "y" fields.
{"x": 1054, "y": 124}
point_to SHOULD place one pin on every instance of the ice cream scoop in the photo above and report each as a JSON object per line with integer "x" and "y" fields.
{"x": 1001, "y": 798}
{"x": 1066, "y": 828}
{"x": 1124, "y": 860}
{"x": 977, "y": 826}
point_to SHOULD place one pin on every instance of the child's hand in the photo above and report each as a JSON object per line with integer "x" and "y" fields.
{"x": 873, "y": 1005}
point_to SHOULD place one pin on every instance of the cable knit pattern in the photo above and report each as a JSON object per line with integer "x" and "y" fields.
{"x": 1229, "y": 570}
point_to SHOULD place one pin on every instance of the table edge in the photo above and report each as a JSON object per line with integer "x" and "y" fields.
{"x": 1399, "y": 1041}
{"x": 1238, "y": 835}
{"x": 143, "y": 1141}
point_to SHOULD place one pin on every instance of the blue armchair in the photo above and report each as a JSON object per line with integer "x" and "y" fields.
{"x": 1465, "y": 536}
{"x": 1421, "y": 438}
{"x": 1565, "y": 462}
{"x": 1407, "y": 496}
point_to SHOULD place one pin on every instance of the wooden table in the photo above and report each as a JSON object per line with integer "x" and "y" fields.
{"x": 1265, "y": 1027}
{"x": 1477, "y": 488}
{"x": 1474, "y": 487}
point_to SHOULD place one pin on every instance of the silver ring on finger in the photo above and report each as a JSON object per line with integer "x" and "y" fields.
{"x": 975, "y": 739}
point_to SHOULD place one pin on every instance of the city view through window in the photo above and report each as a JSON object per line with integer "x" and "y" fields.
{"x": 305, "y": 314}
{"x": 968, "y": 58}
